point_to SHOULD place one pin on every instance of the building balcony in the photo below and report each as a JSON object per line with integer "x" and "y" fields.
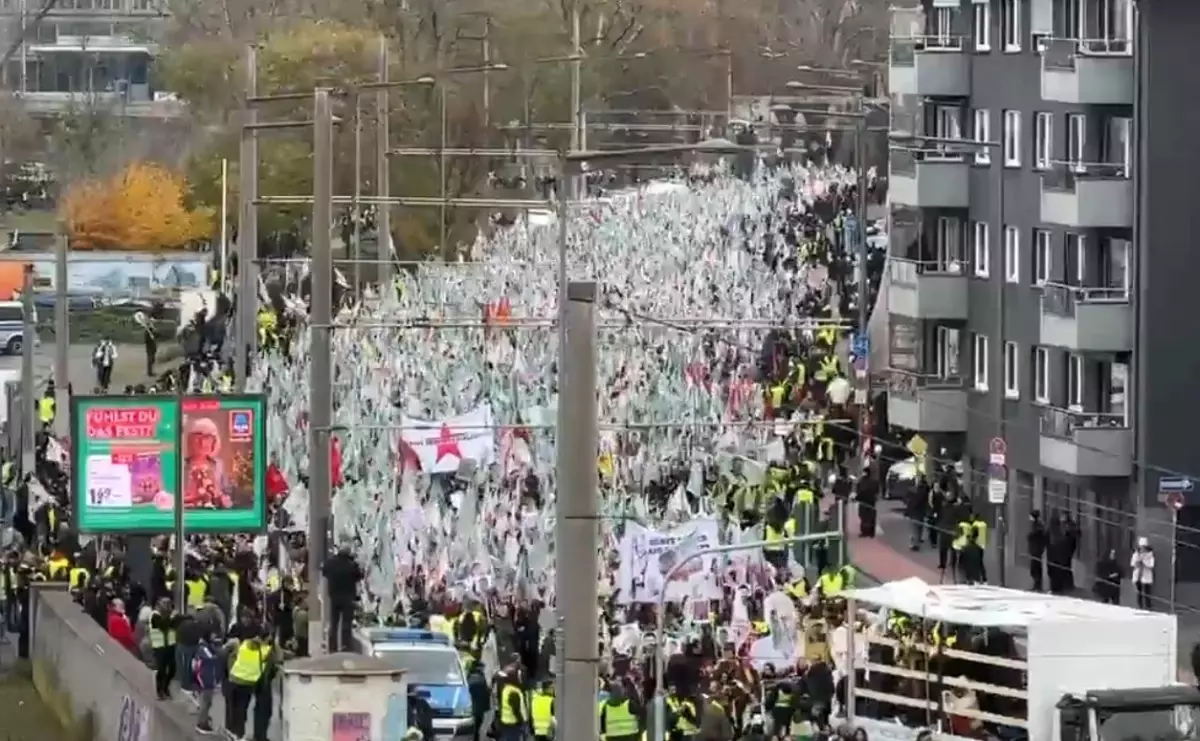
{"x": 1089, "y": 72}
{"x": 929, "y": 66}
{"x": 1085, "y": 443}
{"x": 1087, "y": 196}
{"x": 926, "y": 403}
{"x": 927, "y": 178}
{"x": 1086, "y": 319}
{"x": 926, "y": 290}
{"x": 163, "y": 105}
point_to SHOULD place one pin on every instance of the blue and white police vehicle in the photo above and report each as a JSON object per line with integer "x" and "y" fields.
{"x": 432, "y": 668}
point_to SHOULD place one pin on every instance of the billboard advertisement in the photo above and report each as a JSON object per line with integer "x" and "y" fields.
{"x": 134, "y": 457}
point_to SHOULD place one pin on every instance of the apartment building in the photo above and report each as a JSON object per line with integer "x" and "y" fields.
{"x": 1040, "y": 282}
{"x": 85, "y": 52}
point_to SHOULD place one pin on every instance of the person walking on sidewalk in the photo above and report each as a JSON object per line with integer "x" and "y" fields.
{"x": 206, "y": 676}
{"x": 1141, "y": 567}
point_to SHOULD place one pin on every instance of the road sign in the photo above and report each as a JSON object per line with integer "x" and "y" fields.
{"x": 998, "y": 452}
{"x": 1181, "y": 484}
{"x": 997, "y": 491}
{"x": 1174, "y": 500}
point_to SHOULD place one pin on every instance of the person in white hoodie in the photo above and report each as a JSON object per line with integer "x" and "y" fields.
{"x": 1141, "y": 568}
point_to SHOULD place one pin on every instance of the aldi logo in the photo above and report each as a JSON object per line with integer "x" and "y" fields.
{"x": 241, "y": 423}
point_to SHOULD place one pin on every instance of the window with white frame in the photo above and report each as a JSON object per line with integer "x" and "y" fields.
{"x": 983, "y": 26}
{"x": 946, "y": 352}
{"x": 1012, "y": 383}
{"x": 948, "y": 238}
{"x": 1041, "y": 375}
{"x": 982, "y": 131}
{"x": 1043, "y": 139}
{"x": 1043, "y": 257}
{"x": 1012, "y": 138}
{"x": 1012, "y": 254}
{"x": 980, "y": 251}
{"x": 1010, "y": 20}
{"x": 1075, "y": 382}
{"x": 1076, "y": 139}
{"x": 980, "y": 360}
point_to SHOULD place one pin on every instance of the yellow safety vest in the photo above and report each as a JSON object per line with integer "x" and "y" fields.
{"x": 682, "y": 724}
{"x": 197, "y": 590}
{"x": 160, "y": 639}
{"x": 57, "y": 568}
{"x": 831, "y": 584}
{"x": 619, "y": 722}
{"x": 6, "y": 472}
{"x": 46, "y": 409}
{"x": 798, "y": 589}
{"x": 784, "y": 700}
{"x": 250, "y": 662}
{"x": 506, "y": 712}
{"x": 981, "y": 530}
{"x": 774, "y": 536}
{"x": 226, "y": 384}
{"x": 541, "y": 707}
{"x": 79, "y": 577}
{"x": 777, "y": 393}
{"x": 825, "y": 450}
{"x": 827, "y": 336}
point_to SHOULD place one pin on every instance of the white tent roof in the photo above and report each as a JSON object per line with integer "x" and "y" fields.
{"x": 987, "y": 606}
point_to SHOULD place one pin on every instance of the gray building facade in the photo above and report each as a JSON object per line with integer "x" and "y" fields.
{"x": 1037, "y": 269}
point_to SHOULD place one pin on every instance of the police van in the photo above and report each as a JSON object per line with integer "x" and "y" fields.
{"x": 12, "y": 327}
{"x": 432, "y": 668}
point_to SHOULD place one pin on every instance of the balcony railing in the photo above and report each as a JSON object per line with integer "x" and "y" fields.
{"x": 906, "y": 384}
{"x": 1062, "y": 423}
{"x": 1061, "y": 54}
{"x": 904, "y": 161}
{"x": 1060, "y": 299}
{"x": 904, "y": 49}
{"x": 1064, "y": 176}
{"x": 907, "y": 272}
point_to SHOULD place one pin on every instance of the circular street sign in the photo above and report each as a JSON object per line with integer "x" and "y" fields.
{"x": 1175, "y": 500}
{"x": 998, "y": 446}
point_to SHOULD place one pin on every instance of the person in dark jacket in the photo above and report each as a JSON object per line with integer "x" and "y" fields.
{"x": 914, "y": 511}
{"x": 481, "y": 698}
{"x": 1108, "y": 579}
{"x": 342, "y": 575}
{"x": 1036, "y": 542}
{"x": 868, "y": 497}
{"x": 970, "y": 561}
{"x": 205, "y": 671}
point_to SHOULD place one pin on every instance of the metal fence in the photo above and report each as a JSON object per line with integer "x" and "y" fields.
{"x": 904, "y": 384}
{"x": 1062, "y": 300}
{"x": 1062, "y": 423}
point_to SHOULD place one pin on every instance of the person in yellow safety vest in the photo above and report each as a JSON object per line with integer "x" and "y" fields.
{"x": 8, "y": 473}
{"x": 619, "y": 716}
{"x": 58, "y": 568}
{"x": 828, "y": 369}
{"x": 898, "y": 624}
{"x": 972, "y": 523}
{"x": 227, "y": 383}
{"x": 250, "y": 663}
{"x": 777, "y": 529}
{"x": 831, "y": 583}
{"x": 825, "y": 449}
{"x": 827, "y": 336}
{"x": 797, "y": 589}
{"x": 935, "y": 637}
{"x": 163, "y": 622}
{"x": 267, "y": 322}
{"x": 541, "y": 712}
{"x": 684, "y": 720}
{"x": 513, "y": 715}
{"x": 760, "y": 627}
{"x": 78, "y": 577}
{"x": 848, "y": 574}
{"x": 47, "y": 407}
{"x": 196, "y": 591}
{"x": 781, "y": 705}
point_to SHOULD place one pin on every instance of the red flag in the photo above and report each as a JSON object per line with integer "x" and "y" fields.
{"x": 335, "y": 462}
{"x": 277, "y": 485}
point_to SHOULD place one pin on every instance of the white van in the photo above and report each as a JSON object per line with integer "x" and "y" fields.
{"x": 12, "y": 327}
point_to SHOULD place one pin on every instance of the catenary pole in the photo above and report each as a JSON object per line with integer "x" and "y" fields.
{"x": 383, "y": 213}
{"x": 576, "y": 535}
{"x": 320, "y": 482}
{"x": 247, "y": 238}
{"x": 62, "y": 331}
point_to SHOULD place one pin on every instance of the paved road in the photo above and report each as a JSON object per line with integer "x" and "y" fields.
{"x": 130, "y": 366}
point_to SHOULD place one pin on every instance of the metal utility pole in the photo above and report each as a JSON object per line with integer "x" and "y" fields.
{"x": 576, "y": 537}
{"x": 576, "y": 81}
{"x": 442, "y": 159}
{"x": 356, "y": 203}
{"x": 320, "y": 484}
{"x": 247, "y": 238}
{"x": 487, "y": 81}
{"x": 62, "y": 333}
{"x": 383, "y": 212}
{"x": 28, "y": 384}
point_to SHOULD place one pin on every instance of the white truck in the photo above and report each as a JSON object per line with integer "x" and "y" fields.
{"x": 1081, "y": 671}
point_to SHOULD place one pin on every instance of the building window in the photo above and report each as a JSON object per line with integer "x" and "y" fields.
{"x": 983, "y": 26}
{"x": 1010, "y": 12}
{"x": 1043, "y": 138}
{"x": 980, "y": 253}
{"x": 1012, "y": 138}
{"x": 946, "y": 356}
{"x": 1041, "y": 375}
{"x": 1012, "y": 384}
{"x": 981, "y": 362}
{"x": 1075, "y": 382}
{"x": 1076, "y": 140}
{"x": 1012, "y": 254}
{"x": 982, "y": 129}
{"x": 1043, "y": 257}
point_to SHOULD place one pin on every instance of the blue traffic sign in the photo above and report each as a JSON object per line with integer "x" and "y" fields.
{"x": 1175, "y": 483}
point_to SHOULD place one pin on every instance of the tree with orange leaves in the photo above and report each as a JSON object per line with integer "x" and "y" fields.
{"x": 142, "y": 208}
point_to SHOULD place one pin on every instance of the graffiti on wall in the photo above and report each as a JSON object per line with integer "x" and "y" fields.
{"x": 135, "y": 721}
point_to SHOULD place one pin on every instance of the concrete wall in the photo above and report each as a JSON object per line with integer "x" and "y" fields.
{"x": 92, "y": 684}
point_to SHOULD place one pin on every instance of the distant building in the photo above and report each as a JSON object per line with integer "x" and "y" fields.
{"x": 85, "y": 53}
